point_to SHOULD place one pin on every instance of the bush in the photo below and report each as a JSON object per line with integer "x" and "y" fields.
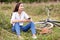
{"x": 5, "y": 21}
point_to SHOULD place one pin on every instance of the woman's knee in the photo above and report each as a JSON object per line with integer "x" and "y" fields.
{"x": 32, "y": 25}
{"x": 31, "y": 22}
{"x": 16, "y": 24}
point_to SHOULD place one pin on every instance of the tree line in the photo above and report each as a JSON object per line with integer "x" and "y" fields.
{"x": 27, "y": 1}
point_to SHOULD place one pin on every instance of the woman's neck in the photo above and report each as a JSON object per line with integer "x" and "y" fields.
{"x": 19, "y": 12}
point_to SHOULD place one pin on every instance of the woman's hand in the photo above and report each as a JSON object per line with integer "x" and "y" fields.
{"x": 24, "y": 20}
{"x": 14, "y": 21}
{"x": 29, "y": 20}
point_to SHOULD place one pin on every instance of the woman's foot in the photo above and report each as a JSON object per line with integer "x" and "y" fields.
{"x": 20, "y": 38}
{"x": 34, "y": 36}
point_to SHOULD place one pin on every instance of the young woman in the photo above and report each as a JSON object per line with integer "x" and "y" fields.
{"x": 19, "y": 16}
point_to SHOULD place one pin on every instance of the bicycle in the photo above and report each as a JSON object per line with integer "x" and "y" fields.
{"x": 47, "y": 22}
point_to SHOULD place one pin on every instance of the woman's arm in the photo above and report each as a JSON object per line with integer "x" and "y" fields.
{"x": 24, "y": 20}
{"x": 14, "y": 20}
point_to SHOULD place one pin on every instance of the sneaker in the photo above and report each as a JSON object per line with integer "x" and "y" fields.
{"x": 34, "y": 37}
{"x": 20, "y": 38}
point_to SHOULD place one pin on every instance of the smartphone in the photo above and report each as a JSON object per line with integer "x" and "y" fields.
{"x": 29, "y": 18}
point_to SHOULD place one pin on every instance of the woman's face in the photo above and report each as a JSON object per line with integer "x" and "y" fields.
{"x": 21, "y": 7}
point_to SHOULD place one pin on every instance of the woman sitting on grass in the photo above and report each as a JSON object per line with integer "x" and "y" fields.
{"x": 18, "y": 18}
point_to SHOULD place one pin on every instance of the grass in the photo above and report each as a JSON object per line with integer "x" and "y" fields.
{"x": 5, "y": 35}
{"x": 36, "y": 12}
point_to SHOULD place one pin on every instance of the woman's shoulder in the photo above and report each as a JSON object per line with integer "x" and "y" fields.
{"x": 23, "y": 12}
{"x": 14, "y": 13}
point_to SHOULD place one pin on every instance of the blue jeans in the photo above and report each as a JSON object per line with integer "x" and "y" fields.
{"x": 16, "y": 28}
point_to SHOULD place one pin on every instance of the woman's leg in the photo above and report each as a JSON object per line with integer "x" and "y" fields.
{"x": 30, "y": 26}
{"x": 17, "y": 29}
{"x": 13, "y": 29}
{"x": 33, "y": 28}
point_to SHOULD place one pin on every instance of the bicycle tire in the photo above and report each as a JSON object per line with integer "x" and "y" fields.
{"x": 43, "y": 24}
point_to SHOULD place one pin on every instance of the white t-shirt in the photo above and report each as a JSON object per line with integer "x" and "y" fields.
{"x": 22, "y": 16}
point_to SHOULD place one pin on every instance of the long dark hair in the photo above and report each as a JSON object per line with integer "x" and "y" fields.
{"x": 16, "y": 7}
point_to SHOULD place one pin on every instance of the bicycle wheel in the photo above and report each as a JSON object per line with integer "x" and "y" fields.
{"x": 49, "y": 25}
{"x": 40, "y": 25}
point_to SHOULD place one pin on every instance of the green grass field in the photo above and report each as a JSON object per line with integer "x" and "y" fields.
{"x": 37, "y": 12}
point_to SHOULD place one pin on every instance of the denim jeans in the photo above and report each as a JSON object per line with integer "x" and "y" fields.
{"x": 17, "y": 28}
